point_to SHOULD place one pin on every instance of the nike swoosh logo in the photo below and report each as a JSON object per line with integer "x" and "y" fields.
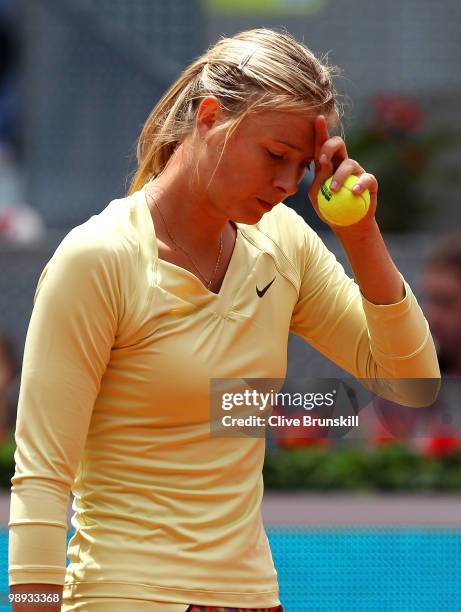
{"x": 263, "y": 291}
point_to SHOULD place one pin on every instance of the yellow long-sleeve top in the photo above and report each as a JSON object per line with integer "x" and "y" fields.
{"x": 114, "y": 403}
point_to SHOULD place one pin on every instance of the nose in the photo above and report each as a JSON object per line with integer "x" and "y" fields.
{"x": 287, "y": 182}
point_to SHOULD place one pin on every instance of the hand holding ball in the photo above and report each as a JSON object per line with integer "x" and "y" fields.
{"x": 343, "y": 207}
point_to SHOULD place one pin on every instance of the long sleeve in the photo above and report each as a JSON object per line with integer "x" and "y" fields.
{"x": 370, "y": 341}
{"x": 68, "y": 344}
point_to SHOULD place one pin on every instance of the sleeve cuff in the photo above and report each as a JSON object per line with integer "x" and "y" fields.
{"x": 404, "y": 301}
{"x": 396, "y": 330}
{"x": 38, "y": 575}
{"x": 37, "y": 553}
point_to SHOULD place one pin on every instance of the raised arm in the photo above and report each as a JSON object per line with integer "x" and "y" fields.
{"x": 373, "y": 328}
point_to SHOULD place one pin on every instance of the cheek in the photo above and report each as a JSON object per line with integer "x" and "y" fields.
{"x": 244, "y": 173}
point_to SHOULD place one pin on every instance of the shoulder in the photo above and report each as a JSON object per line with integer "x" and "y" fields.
{"x": 112, "y": 236}
{"x": 102, "y": 256}
{"x": 283, "y": 230}
{"x": 101, "y": 261}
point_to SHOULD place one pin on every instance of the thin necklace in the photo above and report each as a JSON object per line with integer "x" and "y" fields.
{"x": 208, "y": 282}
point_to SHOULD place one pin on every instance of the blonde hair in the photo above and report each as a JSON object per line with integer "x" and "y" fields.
{"x": 257, "y": 70}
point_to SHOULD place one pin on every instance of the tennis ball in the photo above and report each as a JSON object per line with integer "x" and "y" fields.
{"x": 343, "y": 207}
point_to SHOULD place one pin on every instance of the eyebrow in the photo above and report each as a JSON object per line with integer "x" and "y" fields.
{"x": 287, "y": 144}
{"x": 292, "y": 146}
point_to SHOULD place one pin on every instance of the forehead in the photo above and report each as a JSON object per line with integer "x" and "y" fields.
{"x": 295, "y": 128}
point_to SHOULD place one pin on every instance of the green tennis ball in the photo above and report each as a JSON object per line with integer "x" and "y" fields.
{"x": 343, "y": 207}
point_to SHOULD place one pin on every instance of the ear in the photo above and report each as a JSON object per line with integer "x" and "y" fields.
{"x": 208, "y": 114}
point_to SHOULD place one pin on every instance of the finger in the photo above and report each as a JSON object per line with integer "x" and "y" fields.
{"x": 323, "y": 167}
{"x": 366, "y": 181}
{"x": 346, "y": 168}
{"x": 321, "y": 135}
{"x": 333, "y": 152}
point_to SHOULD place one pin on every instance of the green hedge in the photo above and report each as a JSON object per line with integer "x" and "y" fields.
{"x": 7, "y": 449}
{"x": 390, "y": 467}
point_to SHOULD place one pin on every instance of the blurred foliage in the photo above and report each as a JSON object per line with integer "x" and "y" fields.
{"x": 390, "y": 467}
{"x": 398, "y": 147}
{"x": 7, "y": 448}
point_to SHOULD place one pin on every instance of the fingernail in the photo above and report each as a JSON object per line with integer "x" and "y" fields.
{"x": 334, "y": 185}
{"x": 357, "y": 188}
{"x": 323, "y": 158}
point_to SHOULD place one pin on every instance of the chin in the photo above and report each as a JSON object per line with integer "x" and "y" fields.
{"x": 250, "y": 218}
{"x": 253, "y": 214}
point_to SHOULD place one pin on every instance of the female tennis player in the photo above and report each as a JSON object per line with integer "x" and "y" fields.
{"x": 199, "y": 273}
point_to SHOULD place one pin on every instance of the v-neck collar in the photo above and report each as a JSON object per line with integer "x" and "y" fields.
{"x": 183, "y": 283}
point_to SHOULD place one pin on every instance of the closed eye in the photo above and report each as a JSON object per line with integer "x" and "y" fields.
{"x": 277, "y": 156}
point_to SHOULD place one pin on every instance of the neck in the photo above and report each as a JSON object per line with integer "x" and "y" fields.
{"x": 188, "y": 212}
